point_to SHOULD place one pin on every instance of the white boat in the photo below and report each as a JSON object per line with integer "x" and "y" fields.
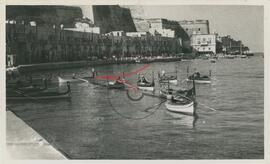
{"x": 213, "y": 60}
{"x": 200, "y": 81}
{"x": 147, "y": 88}
{"x": 173, "y": 81}
{"x": 180, "y": 108}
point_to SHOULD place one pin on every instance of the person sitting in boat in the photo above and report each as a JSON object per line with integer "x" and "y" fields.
{"x": 143, "y": 80}
{"x": 197, "y": 75}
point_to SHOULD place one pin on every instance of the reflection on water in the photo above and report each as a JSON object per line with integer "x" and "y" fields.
{"x": 104, "y": 124}
{"x": 178, "y": 119}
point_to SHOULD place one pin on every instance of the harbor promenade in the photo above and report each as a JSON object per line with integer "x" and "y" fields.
{"x": 22, "y": 142}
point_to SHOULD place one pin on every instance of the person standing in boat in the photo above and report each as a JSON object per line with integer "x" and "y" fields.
{"x": 93, "y": 72}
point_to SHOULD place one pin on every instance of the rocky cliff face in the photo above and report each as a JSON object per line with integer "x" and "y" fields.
{"x": 113, "y": 18}
{"x": 44, "y": 14}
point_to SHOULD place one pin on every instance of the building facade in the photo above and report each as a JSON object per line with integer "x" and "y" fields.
{"x": 26, "y": 44}
{"x": 204, "y": 43}
{"x": 195, "y": 27}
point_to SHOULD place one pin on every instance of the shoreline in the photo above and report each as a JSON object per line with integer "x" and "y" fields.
{"x": 84, "y": 63}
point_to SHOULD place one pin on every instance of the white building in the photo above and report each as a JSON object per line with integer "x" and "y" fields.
{"x": 136, "y": 34}
{"x": 204, "y": 43}
{"x": 162, "y": 32}
{"x": 84, "y": 27}
{"x": 116, "y": 33}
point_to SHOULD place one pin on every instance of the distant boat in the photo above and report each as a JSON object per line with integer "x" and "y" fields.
{"x": 213, "y": 60}
{"x": 229, "y": 56}
{"x": 243, "y": 56}
{"x": 199, "y": 79}
{"x": 171, "y": 79}
{"x": 20, "y": 95}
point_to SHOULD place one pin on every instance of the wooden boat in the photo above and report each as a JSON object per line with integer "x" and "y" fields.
{"x": 33, "y": 88}
{"x": 115, "y": 85}
{"x": 213, "y": 60}
{"x": 144, "y": 84}
{"x": 171, "y": 79}
{"x": 20, "y": 95}
{"x": 180, "y": 105}
{"x": 182, "y": 101}
{"x": 199, "y": 79}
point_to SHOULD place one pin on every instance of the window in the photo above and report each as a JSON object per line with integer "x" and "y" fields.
{"x": 186, "y": 29}
{"x": 199, "y": 29}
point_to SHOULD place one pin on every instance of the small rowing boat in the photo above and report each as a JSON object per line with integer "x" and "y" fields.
{"x": 181, "y": 101}
{"x": 180, "y": 105}
{"x": 199, "y": 79}
{"x": 170, "y": 79}
{"x": 20, "y": 95}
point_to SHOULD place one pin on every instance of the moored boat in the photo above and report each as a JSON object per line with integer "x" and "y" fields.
{"x": 20, "y": 95}
{"x": 181, "y": 101}
{"x": 199, "y": 79}
{"x": 115, "y": 85}
{"x": 182, "y": 105}
{"x": 144, "y": 84}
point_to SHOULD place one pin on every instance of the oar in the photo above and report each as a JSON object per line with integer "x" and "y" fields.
{"x": 207, "y": 106}
{"x": 25, "y": 95}
{"x": 82, "y": 79}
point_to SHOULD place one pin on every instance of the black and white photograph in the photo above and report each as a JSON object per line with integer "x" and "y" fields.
{"x": 134, "y": 81}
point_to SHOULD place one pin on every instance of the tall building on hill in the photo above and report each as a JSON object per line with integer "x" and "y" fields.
{"x": 195, "y": 27}
{"x": 113, "y": 18}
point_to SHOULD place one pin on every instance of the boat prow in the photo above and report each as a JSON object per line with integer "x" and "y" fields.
{"x": 72, "y": 80}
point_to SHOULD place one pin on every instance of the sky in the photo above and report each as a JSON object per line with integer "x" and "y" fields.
{"x": 244, "y": 23}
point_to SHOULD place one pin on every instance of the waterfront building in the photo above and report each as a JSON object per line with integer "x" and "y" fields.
{"x": 116, "y": 33}
{"x": 231, "y": 46}
{"x": 137, "y": 34}
{"x": 28, "y": 44}
{"x": 165, "y": 28}
{"x": 195, "y": 26}
{"x": 204, "y": 43}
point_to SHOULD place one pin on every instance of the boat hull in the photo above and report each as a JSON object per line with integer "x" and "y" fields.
{"x": 200, "y": 81}
{"x": 184, "y": 109}
{"x": 147, "y": 88}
